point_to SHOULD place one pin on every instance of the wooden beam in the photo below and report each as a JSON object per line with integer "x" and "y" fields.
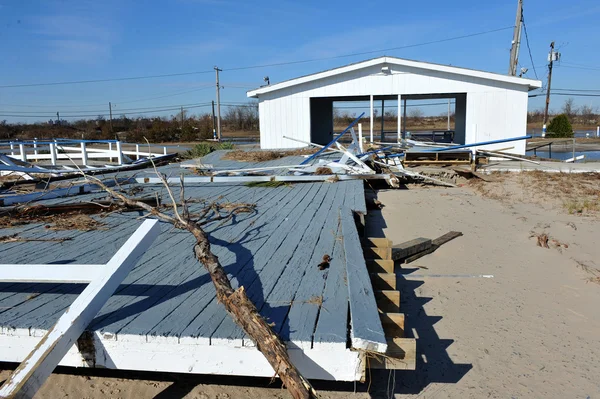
{"x": 380, "y": 266}
{"x": 25, "y": 381}
{"x": 393, "y": 324}
{"x": 388, "y": 300}
{"x": 50, "y": 273}
{"x": 247, "y": 179}
{"x": 366, "y": 331}
{"x": 376, "y": 242}
{"x": 377, "y": 253}
{"x": 409, "y": 248}
{"x": 401, "y": 355}
{"x": 435, "y": 244}
{"x": 383, "y": 281}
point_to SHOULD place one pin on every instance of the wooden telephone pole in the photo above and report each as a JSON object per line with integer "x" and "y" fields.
{"x": 110, "y": 115}
{"x": 217, "y": 70}
{"x": 552, "y": 56}
{"x": 516, "y": 42}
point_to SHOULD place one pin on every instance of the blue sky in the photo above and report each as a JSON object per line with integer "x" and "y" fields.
{"x": 64, "y": 40}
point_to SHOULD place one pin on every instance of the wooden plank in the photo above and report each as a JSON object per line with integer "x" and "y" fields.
{"x": 305, "y": 312}
{"x": 435, "y": 244}
{"x": 383, "y": 281}
{"x": 376, "y": 242}
{"x": 260, "y": 278}
{"x": 166, "y": 287}
{"x": 380, "y": 266}
{"x": 408, "y": 248}
{"x": 35, "y": 369}
{"x": 260, "y": 246}
{"x": 50, "y": 273}
{"x": 393, "y": 324}
{"x": 388, "y": 300}
{"x": 377, "y": 253}
{"x": 401, "y": 355}
{"x": 366, "y": 331}
{"x": 248, "y": 179}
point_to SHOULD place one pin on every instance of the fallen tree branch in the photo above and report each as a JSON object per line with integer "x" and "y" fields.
{"x": 236, "y": 302}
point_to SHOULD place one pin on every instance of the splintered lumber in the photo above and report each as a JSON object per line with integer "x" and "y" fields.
{"x": 377, "y": 253}
{"x": 366, "y": 331}
{"x": 393, "y": 324}
{"x": 435, "y": 244}
{"x": 380, "y": 266}
{"x": 401, "y": 355}
{"x": 411, "y": 247}
{"x": 388, "y": 300}
{"x": 25, "y": 381}
{"x": 383, "y": 281}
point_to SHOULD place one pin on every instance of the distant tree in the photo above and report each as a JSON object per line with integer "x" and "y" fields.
{"x": 587, "y": 114}
{"x": 569, "y": 108}
{"x": 560, "y": 127}
{"x": 415, "y": 114}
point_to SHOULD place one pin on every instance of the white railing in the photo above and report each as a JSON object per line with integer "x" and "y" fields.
{"x": 83, "y": 150}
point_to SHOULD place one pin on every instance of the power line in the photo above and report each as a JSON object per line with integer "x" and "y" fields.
{"x": 254, "y": 66}
{"x": 103, "y": 80}
{"x": 370, "y": 52}
{"x": 528, "y": 47}
{"x": 104, "y": 110}
{"x": 567, "y": 94}
{"x": 104, "y": 114}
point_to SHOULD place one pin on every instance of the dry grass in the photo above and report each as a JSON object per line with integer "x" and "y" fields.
{"x": 73, "y": 221}
{"x": 322, "y": 170}
{"x": 263, "y": 156}
{"x": 577, "y": 193}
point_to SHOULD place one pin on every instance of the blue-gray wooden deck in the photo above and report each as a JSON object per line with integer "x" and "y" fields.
{"x": 273, "y": 253}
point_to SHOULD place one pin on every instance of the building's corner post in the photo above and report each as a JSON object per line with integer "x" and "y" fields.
{"x": 371, "y": 116}
{"x": 22, "y": 152}
{"x": 84, "y": 155}
{"x": 119, "y": 153}
{"x": 137, "y": 152}
{"x": 110, "y": 159}
{"x": 399, "y": 117}
{"x": 164, "y": 150}
{"x": 35, "y": 151}
{"x": 12, "y": 149}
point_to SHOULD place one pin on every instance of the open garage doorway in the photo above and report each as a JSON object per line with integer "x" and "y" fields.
{"x": 424, "y": 117}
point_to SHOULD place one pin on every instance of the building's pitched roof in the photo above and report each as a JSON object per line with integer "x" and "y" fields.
{"x": 532, "y": 84}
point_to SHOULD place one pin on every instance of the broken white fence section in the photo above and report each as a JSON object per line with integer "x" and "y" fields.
{"x": 50, "y": 273}
{"x": 39, "y": 364}
{"x": 84, "y": 150}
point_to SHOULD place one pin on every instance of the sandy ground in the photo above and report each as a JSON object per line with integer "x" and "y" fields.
{"x": 531, "y": 331}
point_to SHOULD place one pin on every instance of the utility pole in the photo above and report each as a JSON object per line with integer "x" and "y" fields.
{"x": 110, "y": 115}
{"x": 182, "y": 119}
{"x": 217, "y": 70}
{"x": 516, "y": 42}
{"x": 552, "y": 56}
{"x": 214, "y": 121}
{"x": 58, "y": 118}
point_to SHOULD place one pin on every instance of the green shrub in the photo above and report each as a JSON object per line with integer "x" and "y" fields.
{"x": 202, "y": 149}
{"x": 560, "y": 127}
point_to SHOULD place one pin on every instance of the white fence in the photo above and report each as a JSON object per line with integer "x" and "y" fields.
{"x": 83, "y": 150}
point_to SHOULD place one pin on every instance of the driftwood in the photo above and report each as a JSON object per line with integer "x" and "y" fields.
{"x": 236, "y": 302}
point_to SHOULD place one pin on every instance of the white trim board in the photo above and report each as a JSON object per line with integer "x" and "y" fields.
{"x": 161, "y": 356}
{"x": 42, "y": 359}
{"x": 530, "y": 83}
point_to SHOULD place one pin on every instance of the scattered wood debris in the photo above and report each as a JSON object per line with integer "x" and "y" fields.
{"x": 17, "y": 238}
{"x": 542, "y": 240}
{"x": 325, "y": 263}
{"x": 323, "y": 170}
{"x": 414, "y": 249}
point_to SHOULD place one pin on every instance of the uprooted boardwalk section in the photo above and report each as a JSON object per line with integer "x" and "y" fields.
{"x": 165, "y": 317}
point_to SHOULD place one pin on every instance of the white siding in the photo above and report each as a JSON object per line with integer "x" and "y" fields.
{"x": 495, "y": 109}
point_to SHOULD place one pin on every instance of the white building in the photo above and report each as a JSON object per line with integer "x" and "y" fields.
{"x": 488, "y": 106}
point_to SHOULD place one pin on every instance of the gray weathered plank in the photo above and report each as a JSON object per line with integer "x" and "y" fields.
{"x": 366, "y": 331}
